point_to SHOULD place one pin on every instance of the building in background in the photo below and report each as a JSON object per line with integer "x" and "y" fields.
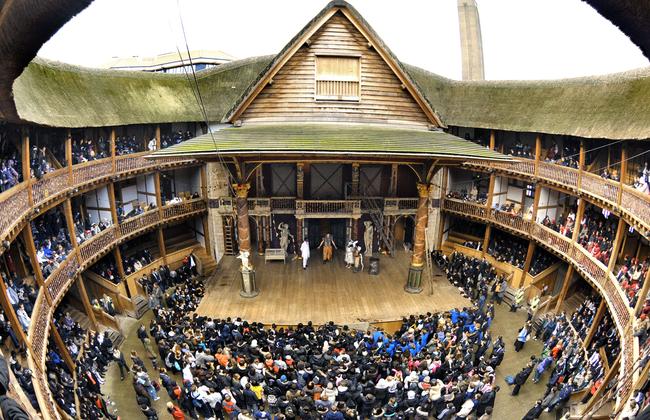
{"x": 171, "y": 62}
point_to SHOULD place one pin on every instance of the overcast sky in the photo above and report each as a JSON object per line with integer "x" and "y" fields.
{"x": 522, "y": 39}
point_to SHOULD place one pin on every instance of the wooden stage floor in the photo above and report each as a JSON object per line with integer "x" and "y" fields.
{"x": 324, "y": 292}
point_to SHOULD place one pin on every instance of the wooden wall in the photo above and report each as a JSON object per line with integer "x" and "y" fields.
{"x": 291, "y": 95}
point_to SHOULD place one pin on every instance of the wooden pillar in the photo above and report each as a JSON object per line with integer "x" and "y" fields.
{"x": 493, "y": 139}
{"x": 565, "y": 288}
{"x": 643, "y": 294}
{"x": 538, "y": 195}
{"x": 259, "y": 181}
{"x": 594, "y": 325}
{"x": 582, "y": 155}
{"x": 611, "y": 374}
{"x": 62, "y": 348}
{"x": 300, "y": 180}
{"x": 112, "y": 145}
{"x": 81, "y": 287}
{"x": 206, "y": 235}
{"x": 354, "y": 224}
{"x": 527, "y": 262}
{"x": 158, "y": 137}
{"x": 260, "y": 235}
{"x": 355, "y": 179}
{"x": 204, "y": 182}
{"x": 486, "y": 240}
{"x": 31, "y": 252}
{"x": 69, "y": 218}
{"x": 11, "y": 315}
{"x": 490, "y": 194}
{"x": 117, "y": 255}
{"x": 68, "y": 153}
{"x": 26, "y": 169}
{"x": 416, "y": 267}
{"x": 161, "y": 244}
{"x": 623, "y": 173}
{"x": 579, "y": 215}
{"x": 538, "y": 151}
{"x": 113, "y": 204}
{"x": 159, "y": 200}
{"x": 618, "y": 241}
{"x": 394, "y": 171}
{"x": 299, "y": 234}
{"x": 243, "y": 226}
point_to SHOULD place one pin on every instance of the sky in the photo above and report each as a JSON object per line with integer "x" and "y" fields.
{"x": 522, "y": 39}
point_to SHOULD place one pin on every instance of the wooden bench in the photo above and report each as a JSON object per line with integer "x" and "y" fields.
{"x": 272, "y": 254}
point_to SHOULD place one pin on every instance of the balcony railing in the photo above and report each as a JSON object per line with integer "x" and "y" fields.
{"x": 283, "y": 205}
{"x": 328, "y": 208}
{"x": 15, "y": 203}
{"x": 592, "y": 269}
{"x": 634, "y": 206}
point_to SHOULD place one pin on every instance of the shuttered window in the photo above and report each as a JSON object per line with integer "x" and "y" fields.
{"x": 337, "y": 78}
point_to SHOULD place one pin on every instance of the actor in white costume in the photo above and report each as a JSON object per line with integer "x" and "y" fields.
{"x": 349, "y": 253}
{"x": 304, "y": 251}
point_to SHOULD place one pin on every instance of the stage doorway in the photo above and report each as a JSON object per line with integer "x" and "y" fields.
{"x": 318, "y": 228}
{"x": 403, "y": 231}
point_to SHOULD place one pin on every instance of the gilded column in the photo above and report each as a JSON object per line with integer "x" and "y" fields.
{"x": 243, "y": 227}
{"x": 355, "y": 180}
{"x": 300, "y": 180}
{"x": 413, "y": 284}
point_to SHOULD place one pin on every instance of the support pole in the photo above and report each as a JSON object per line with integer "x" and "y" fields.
{"x": 248, "y": 284}
{"x": 416, "y": 268}
{"x": 565, "y": 288}
{"x": 486, "y": 240}
{"x": 594, "y": 325}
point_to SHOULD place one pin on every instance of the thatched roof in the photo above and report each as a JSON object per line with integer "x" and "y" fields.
{"x": 57, "y": 94}
{"x": 331, "y": 139}
{"x": 25, "y": 25}
{"x": 631, "y": 17}
{"x": 613, "y": 106}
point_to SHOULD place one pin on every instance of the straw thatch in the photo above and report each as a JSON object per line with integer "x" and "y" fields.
{"x": 25, "y": 25}
{"x": 62, "y": 95}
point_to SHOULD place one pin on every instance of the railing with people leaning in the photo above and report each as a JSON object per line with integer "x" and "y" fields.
{"x": 632, "y": 204}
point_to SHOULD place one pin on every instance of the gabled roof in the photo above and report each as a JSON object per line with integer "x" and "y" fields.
{"x": 331, "y": 139}
{"x": 312, "y": 27}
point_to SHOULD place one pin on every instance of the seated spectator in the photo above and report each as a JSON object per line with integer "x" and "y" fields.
{"x": 597, "y": 231}
{"x": 508, "y": 249}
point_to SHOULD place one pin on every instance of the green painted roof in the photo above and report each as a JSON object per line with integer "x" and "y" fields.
{"x": 330, "y": 139}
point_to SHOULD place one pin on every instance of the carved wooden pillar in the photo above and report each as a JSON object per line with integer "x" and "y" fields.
{"x": 565, "y": 288}
{"x": 392, "y": 192}
{"x": 243, "y": 227}
{"x": 355, "y": 179}
{"x": 414, "y": 282}
{"x": 259, "y": 182}
{"x": 300, "y": 180}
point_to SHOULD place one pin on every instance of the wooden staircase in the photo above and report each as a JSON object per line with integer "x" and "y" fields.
{"x": 141, "y": 305}
{"x": 116, "y": 337}
{"x": 208, "y": 264}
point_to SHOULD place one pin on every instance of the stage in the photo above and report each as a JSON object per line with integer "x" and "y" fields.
{"x": 325, "y": 292}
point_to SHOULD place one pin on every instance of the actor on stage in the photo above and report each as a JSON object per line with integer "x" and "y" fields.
{"x": 327, "y": 243}
{"x": 304, "y": 250}
{"x": 349, "y": 254}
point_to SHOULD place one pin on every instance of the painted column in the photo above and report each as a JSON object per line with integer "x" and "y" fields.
{"x": 413, "y": 284}
{"x": 243, "y": 227}
{"x": 355, "y": 180}
{"x": 300, "y": 180}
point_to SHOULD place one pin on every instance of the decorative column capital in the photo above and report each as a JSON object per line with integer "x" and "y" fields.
{"x": 241, "y": 190}
{"x": 423, "y": 190}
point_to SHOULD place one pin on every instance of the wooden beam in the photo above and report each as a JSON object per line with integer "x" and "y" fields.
{"x": 31, "y": 252}
{"x": 26, "y": 161}
{"x": 161, "y": 245}
{"x": 62, "y": 347}
{"x": 493, "y": 139}
{"x": 579, "y": 215}
{"x": 11, "y": 315}
{"x": 643, "y": 294}
{"x": 206, "y": 235}
{"x": 158, "y": 137}
{"x": 111, "y": 200}
{"x": 565, "y": 288}
{"x": 490, "y": 194}
{"x": 68, "y": 152}
{"x": 81, "y": 287}
{"x": 486, "y": 240}
{"x": 618, "y": 239}
{"x": 394, "y": 171}
{"x": 538, "y": 194}
{"x": 611, "y": 374}
{"x": 582, "y": 155}
{"x": 528, "y": 261}
{"x": 119, "y": 263}
{"x": 594, "y": 325}
{"x": 112, "y": 146}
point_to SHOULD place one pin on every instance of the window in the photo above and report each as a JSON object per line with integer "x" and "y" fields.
{"x": 337, "y": 78}
{"x": 530, "y": 190}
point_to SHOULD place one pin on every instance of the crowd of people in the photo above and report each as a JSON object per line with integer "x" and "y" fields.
{"x": 473, "y": 195}
{"x": 541, "y": 261}
{"x": 107, "y": 268}
{"x": 125, "y": 145}
{"x": 86, "y": 150}
{"x": 134, "y": 262}
{"x": 583, "y": 317}
{"x": 85, "y": 229}
{"x": 631, "y": 275}
{"x": 137, "y": 208}
{"x": 22, "y": 297}
{"x": 563, "y": 224}
{"x": 508, "y": 249}
{"x": 642, "y": 180}
{"x": 597, "y": 233}
{"x": 167, "y": 140}
{"x": 51, "y": 240}
{"x": 567, "y": 157}
{"x": 522, "y": 150}
{"x": 39, "y": 162}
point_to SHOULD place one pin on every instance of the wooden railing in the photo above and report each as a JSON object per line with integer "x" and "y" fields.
{"x": 592, "y": 269}
{"x": 400, "y": 205}
{"x": 15, "y": 203}
{"x": 634, "y": 205}
{"x": 325, "y": 208}
{"x": 283, "y": 204}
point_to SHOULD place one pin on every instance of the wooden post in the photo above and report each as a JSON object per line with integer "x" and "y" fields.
{"x": 486, "y": 240}
{"x": 394, "y": 168}
{"x": 62, "y": 348}
{"x": 11, "y": 314}
{"x": 579, "y": 215}
{"x": 581, "y": 162}
{"x": 527, "y": 262}
{"x": 206, "y": 235}
{"x": 81, "y": 287}
{"x": 243, "y": 226}
{"x": 618, "y": 239}
{"x": 26, "y": 162}
{"x": 594, "y": 325}
{"x": 490, "y": 194}
{"x": 623, "y": 174}
{"x": 643, "y": 294}
{"x": 565, "y": 288}
{"x": 300, "y": 180}
{"x": 299, "y": 234}
{"x": 159, "y": 201}
{"x": 538, "y": 195}
{"x": 112, "y": 145}
{"x": 611, "y": 373}
{"x": 493, "y": 139}
{"x": 355, "y": 179}
{"x": 158, "y": 137}
{"x": 538, "y": 152}
{"x": 68, "y": 153}
{"x": 117, "y": 255}
{"x": 31, "y": 252}
{"x": 204, "y": 182}
{"x": 259, "y": 181}
{"x": 113, "y": 204}
{"x": 416, "y": 267}
{"x": 161, "y": 245}
{"x": 69, "y": 218}
{"x": 260, "y": 235}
